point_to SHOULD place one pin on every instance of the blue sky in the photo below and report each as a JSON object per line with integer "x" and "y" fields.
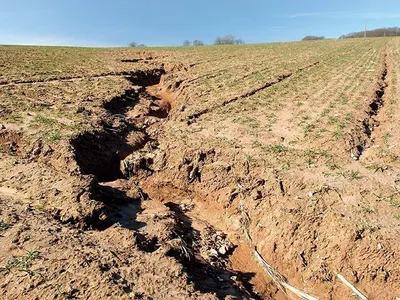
{"x": 170, "y": 22}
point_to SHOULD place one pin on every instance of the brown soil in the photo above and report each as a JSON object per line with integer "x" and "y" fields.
{"x": 166, "y": 192}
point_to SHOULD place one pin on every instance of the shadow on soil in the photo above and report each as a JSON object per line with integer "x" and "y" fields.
{"x": 100, "y": 153}
{"x": 118, "y": 208}
{"x": 207, "y": 277}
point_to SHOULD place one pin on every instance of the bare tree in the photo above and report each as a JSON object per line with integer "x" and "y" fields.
{"x": 132, "y": 44}
{"x": 187, "y": 43}
{"x": 239, "y": 42}
{"x": 198, "y": 43}
{"x": 141, "y": 46}
{"x": 225, "y": 40}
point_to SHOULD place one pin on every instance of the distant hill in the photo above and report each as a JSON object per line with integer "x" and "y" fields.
{"x": 380, "y": 32}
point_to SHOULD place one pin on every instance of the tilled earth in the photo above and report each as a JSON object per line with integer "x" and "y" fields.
{"x": 246, "y": 172}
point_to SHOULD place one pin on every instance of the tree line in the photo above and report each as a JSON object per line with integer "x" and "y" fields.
{"x": 188, "y": 43}
{"x": 379, "y": 32}
{"x": 227, "y": 39}
{"x": 313, "y": 38}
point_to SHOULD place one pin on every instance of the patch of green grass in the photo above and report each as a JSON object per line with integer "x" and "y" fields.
{"x": 45, "y": 120}
{"x": 251, "y": 122}
{"x": 332, "y": 120}
{"x": 309, "y": 162}
{"x": 377, "y": 167}
{"x": 397, "y": 216}
{"x": 229, "y": 142}
{"x": 311, "y": 153}
{"x": 325, "y": 154}
{"x": 311, "y": 156}
{"x": 342, "y": 125}
{"x": 353, "y": 175}
{"x": 256, "y": 144}
{"x": 332, "y": 166}
{"x": 345, "y": 101}
{"x": 368, "y": 210}
{"x": 4, "y": 226}
{"x": 309, "y": 128}
{"x": 13, "y": 118}
{"x": 315, "y": 153}
{"x": 337, "y": 134}
{"x": 21, "y": 263}
{"x": 277, "y": 148}
{"x": 322, "y": 130}
{"x": 325, "y": 112}
{"x": 249, "y": 158}
{"x": 272, "y": 118}
{"x": 54, "y": 136}
{"x": 395, "y": 203}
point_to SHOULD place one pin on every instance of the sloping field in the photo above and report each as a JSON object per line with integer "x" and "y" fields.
{"x": 223, "y": 172}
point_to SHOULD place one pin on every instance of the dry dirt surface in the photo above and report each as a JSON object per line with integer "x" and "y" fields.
{"x": 222, "y": 172}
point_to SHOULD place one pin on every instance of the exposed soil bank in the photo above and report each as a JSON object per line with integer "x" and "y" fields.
{"x": 359, "y": 142}
{"x": 126, "y": 151}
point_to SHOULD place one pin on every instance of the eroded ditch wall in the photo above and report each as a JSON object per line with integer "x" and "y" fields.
{"x": 127, "y": 149}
